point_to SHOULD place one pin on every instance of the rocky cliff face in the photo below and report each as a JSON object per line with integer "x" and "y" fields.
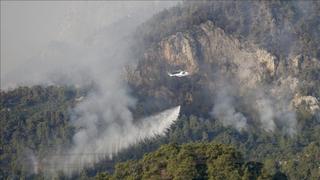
{"x": 178, "y": 51}
{"x": 309, "y": 102}
{"x": 205, "y": 48}
{"x": 252, "y": 80}
{"x": 206, "y": 51}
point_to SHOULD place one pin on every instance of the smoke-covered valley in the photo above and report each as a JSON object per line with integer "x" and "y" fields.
{"x": 91, "y": 50}
{"x": 252, "y": 80}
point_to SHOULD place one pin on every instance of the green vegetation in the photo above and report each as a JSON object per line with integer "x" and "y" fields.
{"x": 190, "y": 161}
{"x": 266, "y": 23}
{"x": 297, "y": 158}
{"x": 33, "y": 120}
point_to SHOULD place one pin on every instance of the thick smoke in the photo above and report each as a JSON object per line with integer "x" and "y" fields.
{"x": 91, "y": 34}
{"x": 265, "y": 110}
{"x": 102, "y": 138}
{"x": 246, "y": 90}
{"x": 274, "y": 110}
{"x": 91, "y": 50}
{"x": 268, "y": 100}
{"x": 225, "y": 111}
{"x": 268, "y": 106}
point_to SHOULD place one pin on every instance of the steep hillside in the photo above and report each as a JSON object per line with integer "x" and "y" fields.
{"x": 254, "y": 77}
{"x": 240, "y": 76}
{"x": 33, "y": 121}
{"x": 281, "y": 27}
{"x": 253, "y": 83}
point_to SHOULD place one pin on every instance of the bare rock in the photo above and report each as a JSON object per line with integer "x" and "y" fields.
{"x": 309, "y": 101}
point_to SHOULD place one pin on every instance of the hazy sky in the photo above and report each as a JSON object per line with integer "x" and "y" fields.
{"x": 27, "y": 27}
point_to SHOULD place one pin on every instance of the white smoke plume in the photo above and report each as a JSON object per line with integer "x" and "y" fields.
{"x": 272, "y": 104}
{"x": 242, "y": 99}
{"x": 90, "y": 34}
{"x": 274, "y": 110}
{"x": 92, "y": 49}
{"x": 29, "y": 161}
{"x": 105, "y": 137}
{"x": 266, "y": 113}
{"x": 225, "y": 111}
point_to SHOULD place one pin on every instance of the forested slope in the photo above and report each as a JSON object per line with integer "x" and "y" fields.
{"x": 191, "y": 161}
{"x": 34, "y": 121}
{"x": 254, "y": 84}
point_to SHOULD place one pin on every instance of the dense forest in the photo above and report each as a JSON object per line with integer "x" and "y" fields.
{"x": 191, "y": 161}
{"x": 32, "y": 121}
{"x": 41, "y": 122}
{"x": 35, "y": 121}
{"x": 274, "y": 25}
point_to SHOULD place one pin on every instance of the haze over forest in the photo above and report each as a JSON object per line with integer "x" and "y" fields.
{"x": 160, "y": 90}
